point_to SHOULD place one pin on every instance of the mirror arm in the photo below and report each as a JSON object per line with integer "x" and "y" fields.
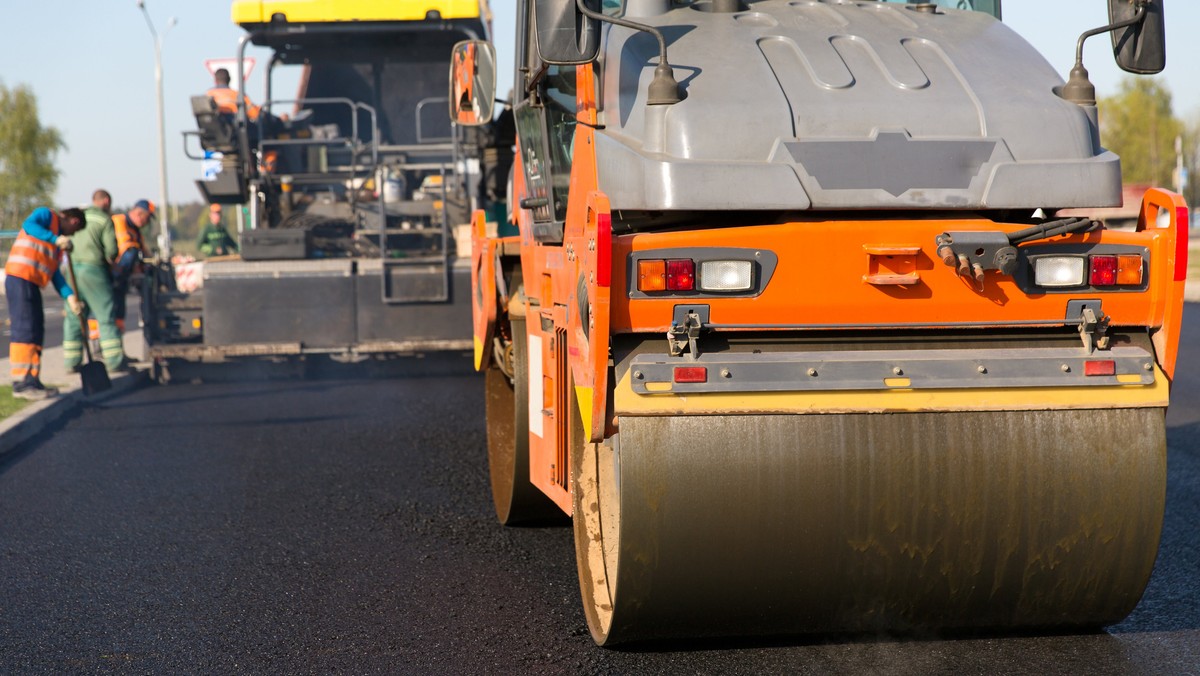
{"x": 663, "y": 90}
{"x": 1135, "y": 19}
{"x": 1079, "y": 88}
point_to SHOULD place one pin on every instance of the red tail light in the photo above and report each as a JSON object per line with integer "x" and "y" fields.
{"x": 681, "y": 275}
{"x": 1104, "y": 270}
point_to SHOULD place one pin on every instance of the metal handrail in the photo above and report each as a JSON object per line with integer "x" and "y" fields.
{"x": 420, "y": 106}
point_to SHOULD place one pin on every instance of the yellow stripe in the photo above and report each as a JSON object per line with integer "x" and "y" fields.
{"x": 478, "y": 353}
{"x": 583, "y": 395}
{"x": 627, "y": 402}
{"x": 320, "y": 11}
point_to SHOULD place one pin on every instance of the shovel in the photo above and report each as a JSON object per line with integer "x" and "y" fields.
{"x": 95, "y": 377}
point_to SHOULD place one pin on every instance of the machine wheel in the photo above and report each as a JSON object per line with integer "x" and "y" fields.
{"x": 692, "y": 526}
{"x": 517, "y": 500}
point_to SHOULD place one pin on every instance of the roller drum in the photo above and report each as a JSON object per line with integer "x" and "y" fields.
{"x": 692, "y": 526}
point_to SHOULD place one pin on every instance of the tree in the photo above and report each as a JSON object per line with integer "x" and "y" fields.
{"x": 28, "y": 175}
{"x": 1138, "y": 125}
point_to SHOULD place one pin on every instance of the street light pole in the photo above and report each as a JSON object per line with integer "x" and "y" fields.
{"x": 164, "y": 219}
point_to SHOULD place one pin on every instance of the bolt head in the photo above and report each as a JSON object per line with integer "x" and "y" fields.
{"x": 982, "y": 369}
{"x": 812, "y": 373}
{"x": 639, "y": 375}
{"x": 726, "y": 374}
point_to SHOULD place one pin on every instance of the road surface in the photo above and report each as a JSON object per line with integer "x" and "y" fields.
{"x": 346, "y": 526}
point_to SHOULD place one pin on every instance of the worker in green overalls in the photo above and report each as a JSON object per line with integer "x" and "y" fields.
{"x": 94, "y": 250}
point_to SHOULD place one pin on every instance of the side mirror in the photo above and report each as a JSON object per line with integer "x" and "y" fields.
{"x": 565, "y": 37}
{"x": 1142, "y": 47}
{"x": 472, "y": 83}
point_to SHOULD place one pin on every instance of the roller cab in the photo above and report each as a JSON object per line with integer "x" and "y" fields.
{"x": 811, "y": 329}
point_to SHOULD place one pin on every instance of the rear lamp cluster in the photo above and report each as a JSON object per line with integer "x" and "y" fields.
{"x": 1098, "y": 270}
{"x": 680, "y": 274}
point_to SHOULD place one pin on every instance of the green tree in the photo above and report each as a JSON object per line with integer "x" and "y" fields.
{"x": 1139, "y": 125}
{"x": 28, "y": 175}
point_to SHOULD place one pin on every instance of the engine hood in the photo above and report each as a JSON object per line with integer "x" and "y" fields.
{"x": 836, "y": 104}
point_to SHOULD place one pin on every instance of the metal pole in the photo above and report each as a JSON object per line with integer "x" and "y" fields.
{"x": 164, "y": 222}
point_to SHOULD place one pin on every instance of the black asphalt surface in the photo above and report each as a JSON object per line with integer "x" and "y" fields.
{"x": 345, "y": 526}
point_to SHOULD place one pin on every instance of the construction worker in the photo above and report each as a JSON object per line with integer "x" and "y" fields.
{"x": 214, "y": 239}
{"x": 95, "y": 250}
{"x": 102, "y": 200}
{"x": 131, "y": 249}
{"x": 226, "y": 97}
{"x": 32, "y": 264}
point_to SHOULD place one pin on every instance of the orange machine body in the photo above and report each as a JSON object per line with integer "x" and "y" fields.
{"x": 851, "y": 271}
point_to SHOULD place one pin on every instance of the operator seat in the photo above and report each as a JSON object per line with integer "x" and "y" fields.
{"x": 216, "y": 128}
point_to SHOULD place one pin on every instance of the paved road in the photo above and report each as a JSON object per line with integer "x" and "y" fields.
{"x": 345, "y": 526}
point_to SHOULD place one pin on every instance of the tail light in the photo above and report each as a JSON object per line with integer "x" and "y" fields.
{"x": 1104, "y": 270}
{"x": 1100, "y": 367}
{"x": 726, "y": 275}
{"x": 681, "y": 275}
{"x": 652, "y": 275}
{"x": 1129, "y": 269}
{"x": 1053, "y": 271}
{"x": 1095, "y": 270}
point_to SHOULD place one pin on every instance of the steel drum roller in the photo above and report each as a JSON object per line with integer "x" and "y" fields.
{"x": 691, "y": 526}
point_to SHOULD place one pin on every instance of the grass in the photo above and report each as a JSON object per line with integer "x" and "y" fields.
{"x": 8, "y": 403}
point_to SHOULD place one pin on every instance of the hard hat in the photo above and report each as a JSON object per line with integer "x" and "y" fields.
{"x": 145, "y": 204}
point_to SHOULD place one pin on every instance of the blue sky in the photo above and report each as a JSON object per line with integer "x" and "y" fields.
{"x": 90, "y": 62}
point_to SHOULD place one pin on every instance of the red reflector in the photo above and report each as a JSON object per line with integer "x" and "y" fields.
{"x": 691, "y": 374}
{"x": 681, "y": 275}
{"x": 1181, "y": 243}
{"x": 1106, "y": 367}
{"x": 604, "y": 250}
{"x": 1104, "y": 270}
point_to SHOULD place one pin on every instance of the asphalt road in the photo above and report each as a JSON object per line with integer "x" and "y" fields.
{"x": 345, "y": 526}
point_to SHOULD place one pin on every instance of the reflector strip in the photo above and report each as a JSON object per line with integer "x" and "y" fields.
{"x": 691, "y": 374}
{"x": 604, "y": 250}
{"x": 1104, "y": 367}
{"x": 1181, "y": 243}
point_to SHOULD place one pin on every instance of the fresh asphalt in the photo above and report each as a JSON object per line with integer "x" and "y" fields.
{"x": 345, "y": 525}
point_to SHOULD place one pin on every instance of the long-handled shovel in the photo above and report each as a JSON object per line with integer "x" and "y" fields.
{"x": 93, "y": 373}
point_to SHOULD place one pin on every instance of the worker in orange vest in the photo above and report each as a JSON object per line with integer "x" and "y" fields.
{"x": 226, "y": 97}
{"x": 131, "y": 249}
{"x": 32, "y": 264}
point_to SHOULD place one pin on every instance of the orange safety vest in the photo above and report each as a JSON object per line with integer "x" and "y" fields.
{"x": 129, "y": 236}
{"x": 226, "y": 100}
{"x": 32, "y": 259}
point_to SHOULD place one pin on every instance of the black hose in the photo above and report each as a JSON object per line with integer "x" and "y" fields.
{"x": 1049, "y": 229}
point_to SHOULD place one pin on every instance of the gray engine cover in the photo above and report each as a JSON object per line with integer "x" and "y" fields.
{"x": 837, "y": 104}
